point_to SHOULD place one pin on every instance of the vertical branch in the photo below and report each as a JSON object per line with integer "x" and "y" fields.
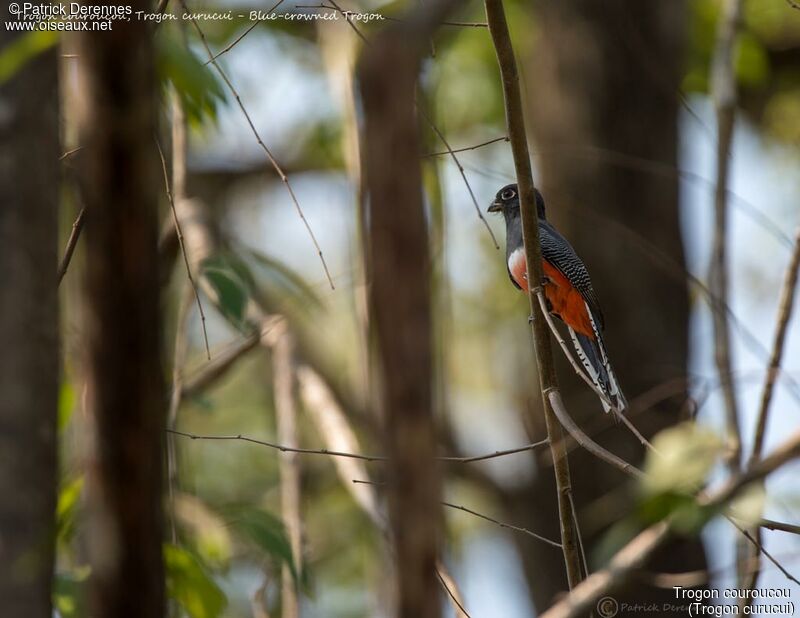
{"x": 29, "y": 189}
{"x": 125, "y": 389}
{"x": 723, "y": 86}
{"x": 400, "y": 304}
{"x": 498, "y": 27}
{"x": 723, "y": 90}
{"x": 785, "y": 305}
{"x": 283, "y": 375}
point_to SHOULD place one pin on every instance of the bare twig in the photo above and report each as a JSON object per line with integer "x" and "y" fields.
{"x": 267, "y": 152}
{"x": 466, "y": 148}
{"x": 498, "y": 28}
{"x": 723, "y": 86}
{"x": 460, "y": 170}
{"x": 448, "y": 584}
{"x": 238, "y": 39}
{"x": 784, "y": 314}
{"x": 69, "y": 153}
{"x": 178, "y": 360}
{"x": 183, "y": 248}
{"x": 793, "y": 4}
{"x": 72, "y": 242}
{"x": 538, "y": 537}
{"x": 218, "y": 367}
{"x": 335, "y": 453}
{"x": 280, "y": 340}
{"x": 554, "y": 398}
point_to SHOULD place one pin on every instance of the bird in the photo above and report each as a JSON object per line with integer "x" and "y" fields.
{"x": 567, "y": 289}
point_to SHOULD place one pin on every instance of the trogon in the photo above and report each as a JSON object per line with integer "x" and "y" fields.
{"x": 567, "y": 288}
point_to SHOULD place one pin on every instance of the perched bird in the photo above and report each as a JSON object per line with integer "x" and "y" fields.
{"x": 567, "y": 288}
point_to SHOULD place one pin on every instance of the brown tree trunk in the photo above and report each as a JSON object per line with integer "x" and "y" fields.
{"x": 126, "y": 395}
{"x": 29, "y": 184}
{"x": 607, "y": 86}
{"x": 400, "y": 311}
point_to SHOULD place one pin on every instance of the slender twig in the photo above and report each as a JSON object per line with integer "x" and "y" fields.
{"x": 793, "y": 4}
{"x": 178, "y": 360}
{"x": 450, "y": 593}
{"x": 267, "y": 152}
{"x": 215, "y": 369}
{"x": 461, "y": 171}
{"x": 554, "y": 398}
{"x": 466, "y": 148}
{"x": 69, "y": 153}
{"x": 72, "y": 242}
{"x": 238, "y": 39}
{"x": 281, "y": 342}
{"x": 179, "y": 233}
{"x": 498, "y": 28}
{"x": 723, "y": 87}
{"x": 784, "y": 314}
{"x": 335, "y": 453}
{"x": 503, "y": 525}
{"x": 771, "y": 524}
{"x": 760, "y": 549}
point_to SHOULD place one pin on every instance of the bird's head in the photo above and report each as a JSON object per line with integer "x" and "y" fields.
{"x": 507, "y": 201}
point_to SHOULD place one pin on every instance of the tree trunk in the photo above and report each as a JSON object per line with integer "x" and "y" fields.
{"x": 126, "y": 397}
{"x": 400, "y": 311}
{"x": 29, "y": 185}
{"x": 608, "y": 77}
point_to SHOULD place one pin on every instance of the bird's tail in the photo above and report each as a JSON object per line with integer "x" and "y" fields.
{"x": 592, "y": 354}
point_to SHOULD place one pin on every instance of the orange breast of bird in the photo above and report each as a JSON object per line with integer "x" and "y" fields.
{"x": 565, "y": 301}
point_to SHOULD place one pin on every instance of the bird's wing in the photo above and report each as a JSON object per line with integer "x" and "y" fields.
{"x": 558, "y": 252}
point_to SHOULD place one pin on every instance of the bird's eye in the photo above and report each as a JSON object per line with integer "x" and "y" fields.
{"x": 507, "y": 194}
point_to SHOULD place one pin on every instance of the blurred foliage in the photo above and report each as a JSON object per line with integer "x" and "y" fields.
{"x": 191, "y": 585}
{"x": 23, "y": 49}
{"x": 197, "y": 85}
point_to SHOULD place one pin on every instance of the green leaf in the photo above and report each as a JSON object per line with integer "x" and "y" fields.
{"x": 267, "y": 532}
{"x": 191, "y": 586}
{"x": 22, "y": 50}
{"x": 198, "y": 87}
{"x": 283, "y": 282}
{"x": 209, "y": 535}
{"x": 232, "y": 287}
{"x": 66, "y": 405}
{"x": 66, "y": 509}
{"x": 68, "y": 592}
{"x": 685, "y": 455}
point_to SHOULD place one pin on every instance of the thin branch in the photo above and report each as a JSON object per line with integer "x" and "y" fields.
{"x": 179, "y": 233}
{"x": 69, "y": 153}
{"x": 281, "y": 342}
{"x": 498, "y": 28}
{"x": 336, "y": 453}
{"x": 178, "y": 360}
{"x": 554, "y": 398}
{"x": 723, "y": 87}
{"x": 262, "y": 145}
{"x": 218, "y": 367}
{"x": 467, "y": 148}
{"x": 784, "y": 314}
{"x": 72, "y": 242}
{"x": 238, "y": 39}
{"x": 760, "y": 549}
{"x": 447, "y": 587}
{"x": 793, "y": 4}
{"x": 538, "y": 537}
{"x": 461, "y": 171}
{"x": 771, "y": 524}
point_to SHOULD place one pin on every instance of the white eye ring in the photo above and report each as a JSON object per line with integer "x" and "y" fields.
{"x": 507, "y": 194}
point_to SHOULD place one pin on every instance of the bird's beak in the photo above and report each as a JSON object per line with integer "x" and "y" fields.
{"x": 495, "y": 207}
